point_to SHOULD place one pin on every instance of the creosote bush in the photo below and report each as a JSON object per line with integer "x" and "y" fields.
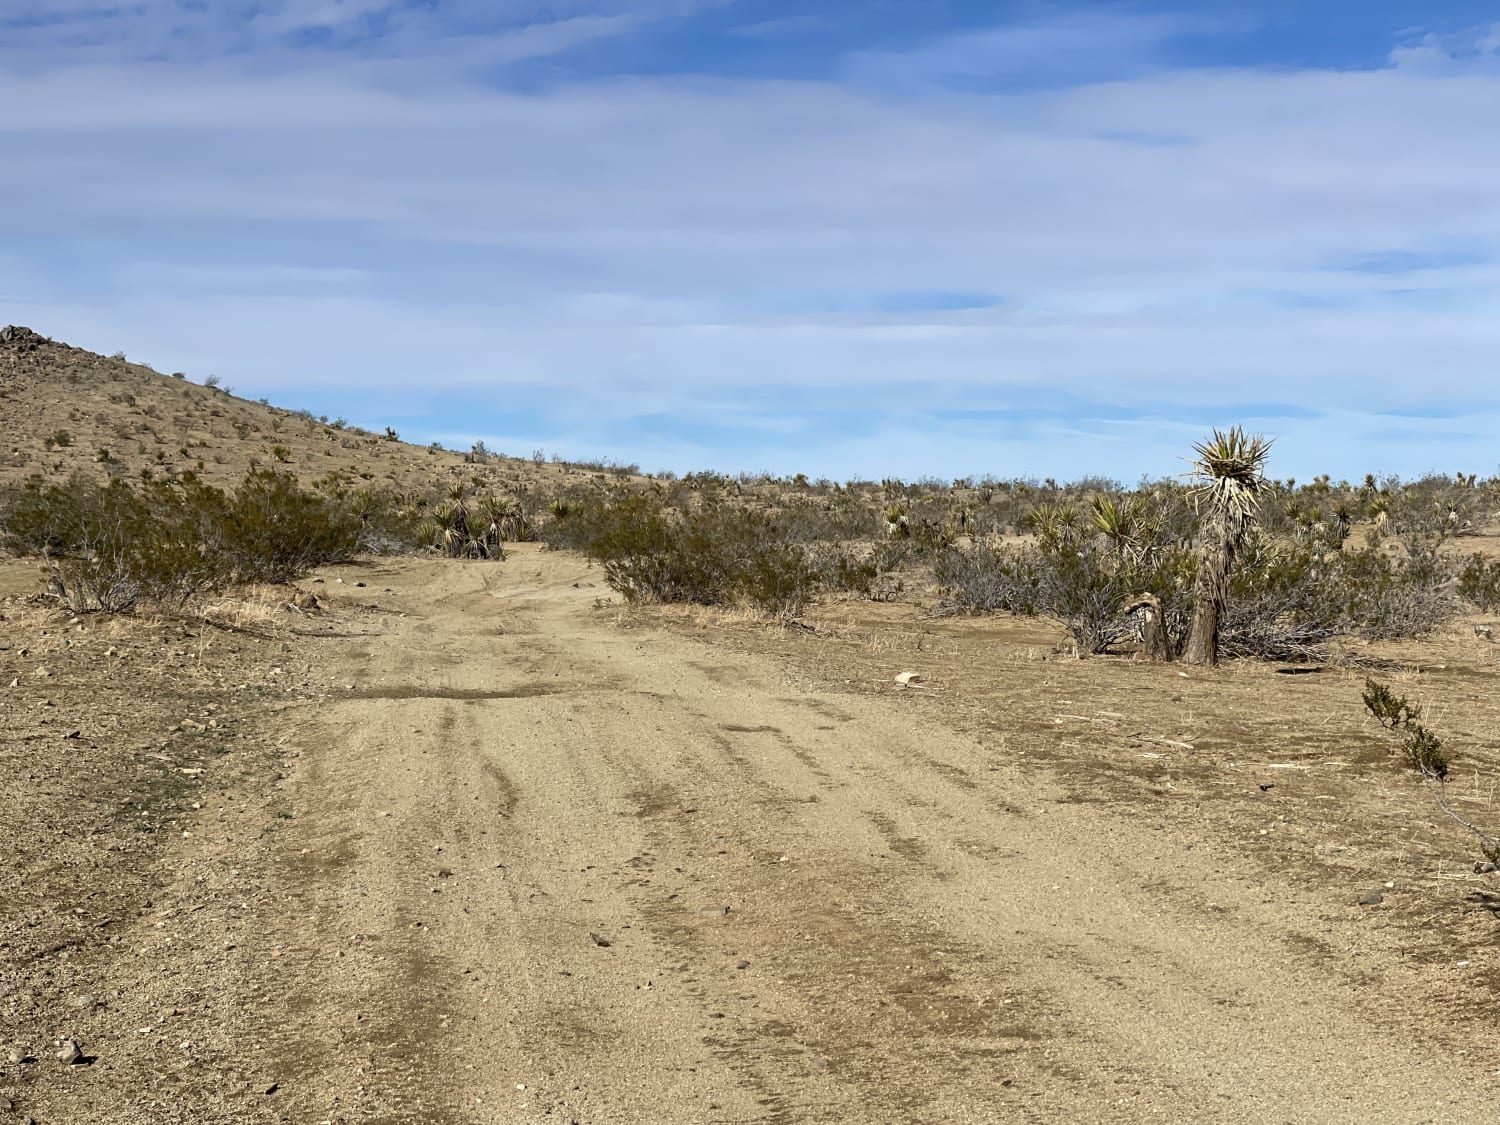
{"x": 714, "y": 554}
{"x": 1479, "y": 583}
{"x": 109, "y": 547}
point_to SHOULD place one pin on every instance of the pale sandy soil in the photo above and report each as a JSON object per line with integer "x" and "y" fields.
{"x": 536, "y": 863}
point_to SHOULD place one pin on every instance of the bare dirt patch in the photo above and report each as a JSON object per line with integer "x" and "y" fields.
{"x": 502, "y": 855}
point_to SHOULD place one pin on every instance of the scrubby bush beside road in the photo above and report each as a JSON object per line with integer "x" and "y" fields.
{"x": 108, "y": 547}
{"x": 714, "y": 553}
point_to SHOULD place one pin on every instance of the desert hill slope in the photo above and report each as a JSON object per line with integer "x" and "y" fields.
{"x": 66, "y": 410}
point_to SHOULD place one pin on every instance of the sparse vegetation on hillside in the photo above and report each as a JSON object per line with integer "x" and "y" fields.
{"x": 179, "y": 424}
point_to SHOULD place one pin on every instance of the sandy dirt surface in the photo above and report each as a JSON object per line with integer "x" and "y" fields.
{"x": 506, "y": 854}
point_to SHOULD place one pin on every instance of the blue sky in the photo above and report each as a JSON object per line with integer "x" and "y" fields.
{"x": 849, "y": 238}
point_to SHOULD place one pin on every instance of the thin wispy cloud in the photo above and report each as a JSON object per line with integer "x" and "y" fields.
{"x": 605, "y": 220}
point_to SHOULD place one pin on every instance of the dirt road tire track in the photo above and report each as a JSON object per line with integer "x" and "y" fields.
{"x": 514, "y": 839}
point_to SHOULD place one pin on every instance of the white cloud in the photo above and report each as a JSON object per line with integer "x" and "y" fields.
{"x": 1477, "y": 49}
{"x": 371, "y": 220}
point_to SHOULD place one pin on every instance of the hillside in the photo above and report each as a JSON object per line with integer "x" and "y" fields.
{"x": 66, "y": 410}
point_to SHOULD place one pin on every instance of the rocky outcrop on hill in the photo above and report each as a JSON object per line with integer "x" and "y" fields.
{"x": 21, "y": 339}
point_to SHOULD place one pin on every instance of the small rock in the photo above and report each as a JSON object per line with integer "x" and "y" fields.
{"x": 74, "y": 734}
{"x": 820, "y": 1062}
{"x": 273, "y": 1087}
{"x": 712, "y": 911}
{"x": 743, "y": 965}
{"x": 15, "y": 1056}
{"x": 906, "y": 679}
{"x": 1373, "y": 898}
{"x": 1484, "y": 867}
{"x": 599, "y": 940}
{"x": 85, "y": 1001}
{"x": 69, "y": 1053}
{"x": 445, "y": 872}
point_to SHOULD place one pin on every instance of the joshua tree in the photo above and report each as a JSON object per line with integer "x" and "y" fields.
{"x": 1230, "y": 476}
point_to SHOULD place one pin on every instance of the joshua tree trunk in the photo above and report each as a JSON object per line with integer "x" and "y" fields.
{"x": 1215, "y": 561}
{"x": 1155, "y": 644}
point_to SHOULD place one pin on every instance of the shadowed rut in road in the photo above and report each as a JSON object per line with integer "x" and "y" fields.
{"x": 546, "y": 868}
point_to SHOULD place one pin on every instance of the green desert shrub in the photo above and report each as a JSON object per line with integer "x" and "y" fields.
{"x": 1390, "y": 710}
{"x": 1479, "y": 583}
{"x": 714, "y": 555}
{"x": 111, "y": 546}
{"x": 273, "y": 531}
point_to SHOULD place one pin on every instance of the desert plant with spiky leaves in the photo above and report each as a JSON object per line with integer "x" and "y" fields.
{"x": 897, "y": 521}
{"x": 456, "y": 536}
{"x": 1119, "y": 520}
{"x": 1230, "y": 478}
{"x": 496, "y": 519}
{"x": 1056, "y": 525}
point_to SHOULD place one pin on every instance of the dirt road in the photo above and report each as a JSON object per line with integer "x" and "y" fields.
{"x": 543, "y": 868}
